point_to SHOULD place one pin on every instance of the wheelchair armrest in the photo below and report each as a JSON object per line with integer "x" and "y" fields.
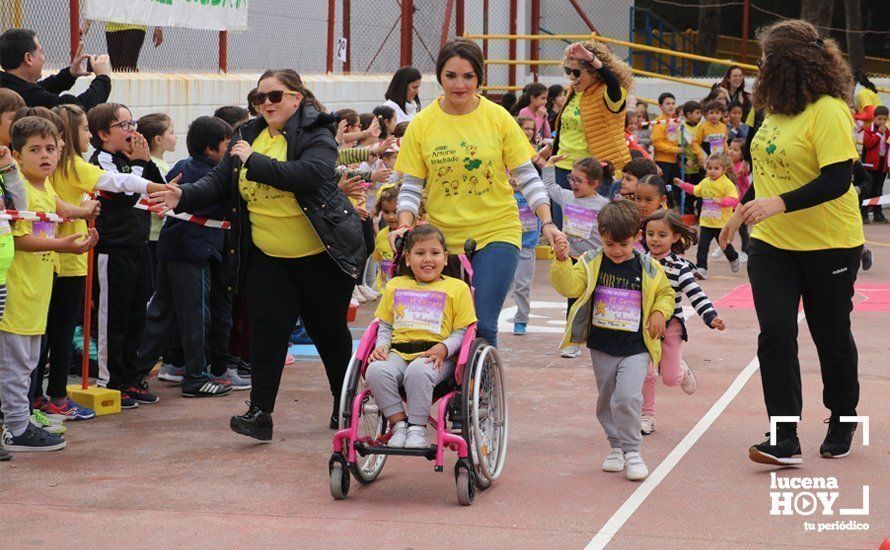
{"x": 369, "y": 338}
{"x": 463, "y": 356}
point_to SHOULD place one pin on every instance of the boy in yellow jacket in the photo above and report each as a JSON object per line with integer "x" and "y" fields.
{"x": 623, "y": 300}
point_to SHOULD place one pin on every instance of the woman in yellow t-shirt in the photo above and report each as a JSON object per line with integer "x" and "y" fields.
{"x": 298, "y": 235}
{"x": 807, "y": 238}
{"x": 458, "y": 150}
{"x": 865, "y": 97}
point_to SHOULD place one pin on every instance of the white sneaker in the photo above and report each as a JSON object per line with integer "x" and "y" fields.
{"x": 743, "y": 257}
{"x": 357, "y": 296}
{"x": 701, "y": 273}
{"x": 636, "y": 468}
{"x": 399, "y": 434}
{"x": 615, "y": 461}
{"x": 647, "y": 424}
{"x": 689, "y": 383}
{"x": 571, "y": 352}
{"x": 715, "y": 253}
{"x": 416, "y": 438}
{"x": 353, "y": 302}
{"x": 735, "y": 265}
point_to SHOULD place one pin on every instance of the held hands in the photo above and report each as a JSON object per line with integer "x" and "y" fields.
{"x": 558, "y": 241}
{"x": 562, "y": 250}
{"x": 168, "y": 198}
{"x": 718, "y": 323}
{"x": 655, "y": 325}
{"x": 138, "y": 148}
{"x": 437, "y": 354}
{"x": 242, "y": 150}
{"x": 379, "y": 354}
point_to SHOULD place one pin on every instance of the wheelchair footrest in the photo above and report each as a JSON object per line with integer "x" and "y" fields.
{"x": 429, "y": 453}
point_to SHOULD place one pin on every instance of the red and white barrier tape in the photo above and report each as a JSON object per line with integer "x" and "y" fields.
{"x": 218, "y": 224}
{"x": 877, "y": 201}
{"x": 13, "y": 215}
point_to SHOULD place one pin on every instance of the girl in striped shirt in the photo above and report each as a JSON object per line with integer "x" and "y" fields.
{"x": 667, "y": 238}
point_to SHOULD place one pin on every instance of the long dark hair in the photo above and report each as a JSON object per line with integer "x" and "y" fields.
{"x": 553, "y": 92}
{"x": 398, "y": 87}
{"x": 672, "y": 219}
{"x": 862, "y": 79}
{"x": 292, "y": 80}
{"x": 531, "y": 90}
{"x": 725, "y": 82}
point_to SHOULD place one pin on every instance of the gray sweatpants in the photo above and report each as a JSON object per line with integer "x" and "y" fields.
{"x": 419, "y": 378}
{"x": 18, "y": 357}
{"x": 522, "y": 284}
{"x": 620, "y": 402}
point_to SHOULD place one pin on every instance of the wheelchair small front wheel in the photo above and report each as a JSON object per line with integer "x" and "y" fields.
{"x": 466, "y": 487}
{"x": 339, "y": 481}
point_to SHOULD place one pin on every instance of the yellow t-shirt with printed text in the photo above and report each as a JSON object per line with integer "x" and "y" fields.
{"x": 73, "y": 188}
{"x": 29, "y": 283}
{"x": 712, "y": 214}
{"x": 278, "y": 226}
{"x": 464, "y": 160}
{"x": 788, "y": 152}
{"x": 384, "y": 255}
{"x": 425, "y": 312}
{"x": 572, "y": 141}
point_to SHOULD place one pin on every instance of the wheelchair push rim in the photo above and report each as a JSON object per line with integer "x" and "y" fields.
{"x": 372, "y": 424}
{"x": 487, "y": 414}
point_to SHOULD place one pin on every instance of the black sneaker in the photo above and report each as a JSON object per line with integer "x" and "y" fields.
{"x": 254, "y": 423}
{"x": 866, "y": 259}
{"x": 881, "y": 220}
{"x": 128, "y": 402}
{"x": 34, "y": 439}
{"x": 838, "y": 439}
{"x": 786, "y": 451}
{"x": 207, "y": 389}
{"x": 243, "y": 368}
{"x": 4, "y": 454}
{"x": 335, "y": 416}
{"x": 140, "y": 395}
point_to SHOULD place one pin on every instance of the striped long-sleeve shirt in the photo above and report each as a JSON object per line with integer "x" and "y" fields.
{"x": 679, "y": 272}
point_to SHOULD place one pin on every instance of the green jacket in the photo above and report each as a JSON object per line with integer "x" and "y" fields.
{"x": 579, "y": 280}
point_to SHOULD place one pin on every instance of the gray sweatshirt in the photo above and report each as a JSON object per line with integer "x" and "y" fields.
{"x": 578, "y": 215}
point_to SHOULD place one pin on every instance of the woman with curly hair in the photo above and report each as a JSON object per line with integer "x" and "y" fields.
{"x": 807, "y": 238}
{"x": 591, "y": 122}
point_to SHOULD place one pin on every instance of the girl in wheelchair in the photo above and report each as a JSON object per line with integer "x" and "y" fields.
{"x": 423, "y": 318}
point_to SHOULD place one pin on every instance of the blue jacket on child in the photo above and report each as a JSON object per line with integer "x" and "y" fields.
{"x": 184, "y": 241}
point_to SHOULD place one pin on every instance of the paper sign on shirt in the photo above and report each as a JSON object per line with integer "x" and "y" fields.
{"x": 46, "y": 230}
{"x": 578, "y": 221}
{"x": 419, "y": 309}
{"x": 386, "y": 270}
{"x": 711, "y": 209}
{"x": 528, "y": 219}
{"x": 717, "y": 142}
{"x": 617, "y": 308}
{"x": 672, "y": 131}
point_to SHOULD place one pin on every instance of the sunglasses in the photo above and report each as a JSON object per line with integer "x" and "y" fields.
{"x": 576, "y": 73}
{"x": 274, "y": 97}
{"x": 125, "y": 125}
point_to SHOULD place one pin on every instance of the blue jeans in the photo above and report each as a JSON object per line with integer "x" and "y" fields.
{"x": 562, "y": 180}
{"x": 493, "y": 269}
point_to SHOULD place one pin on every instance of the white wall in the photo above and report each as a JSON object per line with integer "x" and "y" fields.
{"x": 187, "y": 96}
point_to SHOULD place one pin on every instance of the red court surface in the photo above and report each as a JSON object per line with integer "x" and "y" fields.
{"x": 172, "y": 475}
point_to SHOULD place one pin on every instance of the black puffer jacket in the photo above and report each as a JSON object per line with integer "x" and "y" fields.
{"x": 308, "y": 173}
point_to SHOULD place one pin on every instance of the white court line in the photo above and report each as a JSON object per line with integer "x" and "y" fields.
{"x": 620, "y": 517}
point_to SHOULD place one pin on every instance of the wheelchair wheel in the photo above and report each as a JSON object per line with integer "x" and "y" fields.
{"x": 485, "y": 413}
{"x": 463, "y": 479}
{"x": 372, "y": 424}
{"x": 339, "y": 478}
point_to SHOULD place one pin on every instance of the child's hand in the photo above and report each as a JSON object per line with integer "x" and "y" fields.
{"x": 436, "y": 354}
{"x": 5, "y": 156}
{"x": 138, "y": 148}
{"x": 655, "y": 325}
{"x": 561, "y": 248}
{"x": 551, "y": 162}
{"x": 384, "y": 145}
{"x": 92, "y": 209}
{"x": 381, "y": 175}
{"x": 341, "y": 130}
{"x": 77, "y": 244}
{"x": 718, "y": 323}
{"x": 379, "y": 354}
{"x": 362, "y": 213}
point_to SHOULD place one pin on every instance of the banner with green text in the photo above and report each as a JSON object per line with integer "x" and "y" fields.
{"x": 217, "y": 15}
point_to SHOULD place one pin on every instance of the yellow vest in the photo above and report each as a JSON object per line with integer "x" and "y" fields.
{"x": 603, "y": 129}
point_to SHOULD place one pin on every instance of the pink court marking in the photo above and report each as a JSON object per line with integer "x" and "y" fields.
{"x": 869, "y": 297}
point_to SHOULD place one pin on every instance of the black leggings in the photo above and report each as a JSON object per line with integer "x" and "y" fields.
{"x": 280, "y": 290}
{"x": 705, "y": 236}
{"x": 65, "y": 307}
{"x": 824, "y": 280}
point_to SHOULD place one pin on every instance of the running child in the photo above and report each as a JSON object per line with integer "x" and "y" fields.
{"x": 423, "y": 319}
{"x": 580, "y": 207}
{"x": 623, "y": 300}
{"x": 525, "y": 266}
{"x": 36, "y": 149}
{"x": 742, "y": 171}
{"x": 719, "y": 198}
{"x": 667, "y": 238}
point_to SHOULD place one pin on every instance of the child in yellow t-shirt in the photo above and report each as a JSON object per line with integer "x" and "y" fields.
{"x": 719, "y": 198}
{"x": 712, "y": 134}
{"x": 387, "y": 200}
{"x": 30, "y": 279}
{"x": 423, "y": 318}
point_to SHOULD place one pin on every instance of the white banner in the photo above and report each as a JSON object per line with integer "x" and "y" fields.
{"x": 217, "y": 15}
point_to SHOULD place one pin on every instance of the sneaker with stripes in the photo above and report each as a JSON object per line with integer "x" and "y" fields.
{"x": 207, "y": 389}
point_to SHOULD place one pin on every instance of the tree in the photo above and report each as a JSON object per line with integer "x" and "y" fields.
{"x": 818, "y": 12}
{"x": 855, "y": 44}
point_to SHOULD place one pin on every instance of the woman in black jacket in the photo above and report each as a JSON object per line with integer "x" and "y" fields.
{"x": 296, "y": 236}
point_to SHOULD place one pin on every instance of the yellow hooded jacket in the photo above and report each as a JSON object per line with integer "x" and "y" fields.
{"x": 579, "y": 280}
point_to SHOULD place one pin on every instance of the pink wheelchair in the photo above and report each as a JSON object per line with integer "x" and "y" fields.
{"x": 471, "y": 419}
